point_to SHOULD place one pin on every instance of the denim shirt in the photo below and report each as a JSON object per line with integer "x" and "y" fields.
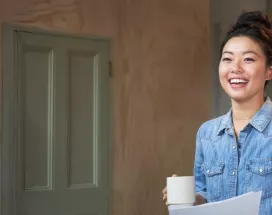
{"x": 225, "y": 168}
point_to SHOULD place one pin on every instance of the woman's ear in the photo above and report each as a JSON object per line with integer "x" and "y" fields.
{"x": 269, "y": 74}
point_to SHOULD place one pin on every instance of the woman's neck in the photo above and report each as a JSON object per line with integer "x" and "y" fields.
{"x": 246, "y": 110}
{"x": 242, "y": 112}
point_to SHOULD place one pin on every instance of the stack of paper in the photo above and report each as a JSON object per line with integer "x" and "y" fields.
{"x": 245, "y": 204}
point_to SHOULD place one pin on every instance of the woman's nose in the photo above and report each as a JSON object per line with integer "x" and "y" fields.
{"x": 236, "y": 68}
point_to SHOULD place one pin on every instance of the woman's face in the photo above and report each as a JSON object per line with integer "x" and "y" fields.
{"x": 243, "y": 69}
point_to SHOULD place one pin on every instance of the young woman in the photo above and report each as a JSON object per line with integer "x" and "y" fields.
{"x": 234, "y": 152}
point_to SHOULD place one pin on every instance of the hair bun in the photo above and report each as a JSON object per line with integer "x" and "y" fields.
{"x": 249, "y": 19}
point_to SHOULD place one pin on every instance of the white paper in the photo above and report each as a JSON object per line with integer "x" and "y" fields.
{"x": 245, "y": 204}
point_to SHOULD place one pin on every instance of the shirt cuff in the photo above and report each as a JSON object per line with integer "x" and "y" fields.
{"x": 203, "y": 194}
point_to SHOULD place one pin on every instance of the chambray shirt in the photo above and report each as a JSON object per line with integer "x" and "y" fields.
{"x": 225, "y": 168}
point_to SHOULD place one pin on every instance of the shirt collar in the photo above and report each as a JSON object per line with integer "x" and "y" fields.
{"x": 260, "y": 120}
{"x": 226, "y": 123}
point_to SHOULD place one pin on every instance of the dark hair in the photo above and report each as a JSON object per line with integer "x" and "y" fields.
{"x": 257, "y": 26}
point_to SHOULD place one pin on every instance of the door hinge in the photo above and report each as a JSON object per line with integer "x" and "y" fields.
{"x": 110, "y": 69}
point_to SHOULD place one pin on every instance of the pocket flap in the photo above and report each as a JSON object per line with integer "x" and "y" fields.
{"x": 212, "y": 169}
{"x": 260, "y": 166}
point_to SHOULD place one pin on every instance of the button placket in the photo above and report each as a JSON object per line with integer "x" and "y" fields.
{"x": 233, "y": 169}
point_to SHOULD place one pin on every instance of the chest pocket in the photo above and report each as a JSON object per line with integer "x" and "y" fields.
{"x": 259, "y": 176}
{"x": 214, "y": 179}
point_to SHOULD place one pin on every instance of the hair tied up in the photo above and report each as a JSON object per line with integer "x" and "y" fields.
{"x": 257, "y": 26}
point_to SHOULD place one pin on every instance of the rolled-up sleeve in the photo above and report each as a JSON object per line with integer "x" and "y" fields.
{"x": 200, "y": 179}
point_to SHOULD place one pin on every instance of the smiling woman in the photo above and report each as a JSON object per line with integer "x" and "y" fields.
{"x": 233, "y": 152}
{"x": 243, "y": 70}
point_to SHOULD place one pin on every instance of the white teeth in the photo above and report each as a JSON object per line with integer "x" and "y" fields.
{"x": 237, "y": 81}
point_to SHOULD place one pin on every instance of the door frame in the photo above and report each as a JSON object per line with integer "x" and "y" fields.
{"x": 9, "y": 105}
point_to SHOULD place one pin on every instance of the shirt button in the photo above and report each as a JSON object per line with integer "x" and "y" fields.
{"x": 208, "y": 171}
{"x": 233, "y": 173}
{"x": 234, "y": 147}
{"x": 260, "y": 170}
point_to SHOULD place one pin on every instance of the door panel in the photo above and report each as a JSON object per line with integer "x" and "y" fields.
{"x": 81, "y": 143}
{"x": 36, "y": 121}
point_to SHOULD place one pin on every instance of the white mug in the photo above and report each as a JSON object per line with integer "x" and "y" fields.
{"x": 181, "y": 190}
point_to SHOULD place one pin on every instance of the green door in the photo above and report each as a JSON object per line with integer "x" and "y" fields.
{"x": 55, "y": 125}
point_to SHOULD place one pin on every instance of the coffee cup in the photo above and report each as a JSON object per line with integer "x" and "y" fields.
{"x": 181, "y": 191}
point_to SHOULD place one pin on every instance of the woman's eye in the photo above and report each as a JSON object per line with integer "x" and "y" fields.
{"x": 249, "y": 59}
{"x": 226, "y": 59}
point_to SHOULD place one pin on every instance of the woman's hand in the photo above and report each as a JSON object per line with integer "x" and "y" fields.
{"x": 164, "y": 192}
{"x": 199, "y": 199}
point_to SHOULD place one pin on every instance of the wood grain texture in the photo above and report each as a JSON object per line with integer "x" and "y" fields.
{"x": 160, "y": 87}
{"x": 161, "y": 97}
